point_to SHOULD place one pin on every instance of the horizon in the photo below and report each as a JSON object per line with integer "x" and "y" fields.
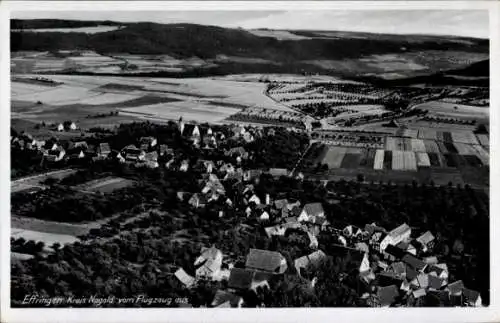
{"x": 451, "y": 23}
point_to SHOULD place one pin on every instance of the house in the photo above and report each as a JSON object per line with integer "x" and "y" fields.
{"x": 60, "y": 127}
{"x": 197, "y": 200}
{"x": 280, "y": 204}
{"x": 399, "y": 234}
{"x": 456, "y": 288}
{"x": 247, "y": 279}
{"x": 471, "y": 298}
{"x": 81, "y": 144}
{"x": 184, "y": 166}
{"x": 419, "y": 293}
{"x": 132, "y": 153}
{"x": 438, "y": 270}
{"x": 209, "y": 165}
{"x": 310, "y": 212}
{"x": 426, "y": 240}
{"x": 407, "y": 247}
{"x": 59, "y": 153}
{"x": 266, "y": 261}
{"x": 388, "y": 278}
{"x": 150, "y": 142}
{"x": 116, "y": 155}
{"x": 435, "y": 282}
{"x": 254, "y": 199}
{"x": 208, "y": 264}
{"x": 359, "y": 259}
{"x": 278, "y": 172}
{"x": 399, "y": 268}
{"x": 392, "y": 253}
{"x": 264, "y": 216}
{"x": 103, "y": 150}
{"x": 251, "y": 174}
{"x": 72, "y": 126}
{"x": 313, "y": 241}
{"x": 386, "y": 296}
{"x": 237, "y": 151}
{"x": 414, "y": 262}
{"x": 431, "y": 260}
{"x": 313, "y": 259}
{"x": 184, "y": 278}
{"x": 164, "y": 150}
{"x": 223, "y": 297}
{"x": 361, "y": 246}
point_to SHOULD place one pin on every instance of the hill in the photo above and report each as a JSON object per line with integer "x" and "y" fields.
{"x": 307, "y": 51}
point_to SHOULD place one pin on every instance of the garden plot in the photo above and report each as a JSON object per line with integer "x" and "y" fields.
{"x": 334, "y": 156}
{"x": 423, "y": 159}
{"x": 464, "y": 149}
{"x": 418, "y": 145}
{"x": 431, "y": 146}
{"x": 482, "y": 154}
{"x": 427, "y": 134}
{"x": 484, "y": 140}
{"x": 378, "y": 162}
{"x": 404, "y": 160}
{"x": 464, "y": 137}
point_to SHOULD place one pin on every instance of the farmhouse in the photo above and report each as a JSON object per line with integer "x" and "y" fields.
{"x": 266, "y": 261}
{"x": 426, "y": 240}
{"x": 60, "y": 127}
{"x": 72, "y": 126}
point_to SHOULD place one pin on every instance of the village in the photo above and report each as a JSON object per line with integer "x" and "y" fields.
{"x": 393, "y": 267}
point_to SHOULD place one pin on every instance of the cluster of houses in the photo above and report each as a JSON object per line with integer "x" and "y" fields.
{"x": 394, "y": 268}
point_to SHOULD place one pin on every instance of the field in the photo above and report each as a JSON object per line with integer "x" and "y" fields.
{"x": 160, "y": 99}
{"x": 87, "y": 30}
{"x": 34, "y": 181}
{"x": 47, "y": 238}
{"x": 105, "y": 185}
{"x": 452, "y": 110}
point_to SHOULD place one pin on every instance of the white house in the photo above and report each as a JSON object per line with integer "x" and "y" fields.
{"x": 60, "y": 127}
{"x": 72, "y": 126}
{"x": 264, "y": 216}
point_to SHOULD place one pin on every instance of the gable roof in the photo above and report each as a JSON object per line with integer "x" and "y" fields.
{"x": 413, "y": 262}
{"x": 419, "y": 293}
{"x": 222, "y": 297}
{"x": 471, "y": 295}
{"x": 402, "y": 229}
{"x": 311, "y": 259}
{"x": 387, "y": 295}
{"x": 240, "y": 278}
{"x": 411, "y": 273}
{"x": 278, "y": 172}
{"x": 425, "y": 238}
{"x": 186, "y": 279}
{"x": 398, "y": 267}
{"x": 313, "y": 209}
{"x": 104, "y": 148}
{"x": 435, "y": 282}
{"x": 279, "y": 204}
{"x": 456, "y": 287}
{"x": 264, "y": 260}
{"x": 394, "y": 251}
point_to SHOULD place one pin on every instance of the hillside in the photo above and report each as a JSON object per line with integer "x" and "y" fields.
{"x": 344, "y": 53}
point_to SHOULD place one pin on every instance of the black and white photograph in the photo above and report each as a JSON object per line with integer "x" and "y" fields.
{"x": 242, "y": 158}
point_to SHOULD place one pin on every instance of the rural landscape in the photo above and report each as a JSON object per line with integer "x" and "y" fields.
{"x": 189, "y": 165}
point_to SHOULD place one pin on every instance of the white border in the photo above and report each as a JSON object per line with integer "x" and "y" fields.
{"x": 490, "y": 314}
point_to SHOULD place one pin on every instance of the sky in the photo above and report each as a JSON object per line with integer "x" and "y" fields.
{"x": 471, "y": 23}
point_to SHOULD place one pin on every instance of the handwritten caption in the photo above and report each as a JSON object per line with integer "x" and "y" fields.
{"x": 34, "y": 300}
